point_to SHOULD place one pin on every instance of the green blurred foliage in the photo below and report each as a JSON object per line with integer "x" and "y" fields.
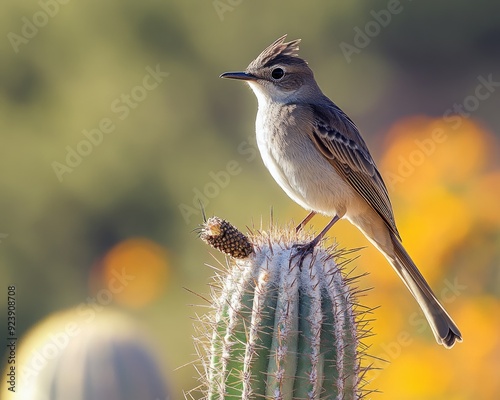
{"x": 66, "y": 78}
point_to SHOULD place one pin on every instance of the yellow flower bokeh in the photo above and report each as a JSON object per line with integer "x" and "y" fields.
{"x": 144, "y": 264}
{"x": 444, "y": 183}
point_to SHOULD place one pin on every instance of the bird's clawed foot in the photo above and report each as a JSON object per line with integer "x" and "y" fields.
{"x": 302, "y": 251}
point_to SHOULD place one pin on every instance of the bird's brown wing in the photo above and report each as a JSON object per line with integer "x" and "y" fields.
{"x": 338, "y": 139}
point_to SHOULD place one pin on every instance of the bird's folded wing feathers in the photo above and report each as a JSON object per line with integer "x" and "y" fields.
{"x": 338, "y": 139}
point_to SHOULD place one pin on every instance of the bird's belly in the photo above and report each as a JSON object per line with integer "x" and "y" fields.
{"x": 305, "y": 175}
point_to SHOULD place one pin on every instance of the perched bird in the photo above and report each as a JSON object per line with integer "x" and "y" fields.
{"x": 318, "y": 157}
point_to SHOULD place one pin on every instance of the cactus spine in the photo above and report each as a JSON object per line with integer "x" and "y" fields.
{"x": 281, "y": 330}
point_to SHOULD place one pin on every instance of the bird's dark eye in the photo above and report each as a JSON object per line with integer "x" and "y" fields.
{"x": 277, "y": 73}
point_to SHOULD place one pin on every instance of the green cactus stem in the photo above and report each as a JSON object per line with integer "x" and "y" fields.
{"x": 280, "y": 330}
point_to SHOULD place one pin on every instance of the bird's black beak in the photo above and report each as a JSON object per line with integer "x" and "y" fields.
{"x": 238, "y": 75}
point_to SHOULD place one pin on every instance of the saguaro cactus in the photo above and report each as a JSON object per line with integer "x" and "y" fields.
{"x": 279, "y": 330}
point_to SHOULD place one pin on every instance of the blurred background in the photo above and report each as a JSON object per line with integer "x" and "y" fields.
{"x": 115, "y": 126}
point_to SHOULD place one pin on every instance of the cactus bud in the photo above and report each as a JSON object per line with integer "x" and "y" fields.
{"x": 280, "y": 329}
{"x": 224, "y": 237}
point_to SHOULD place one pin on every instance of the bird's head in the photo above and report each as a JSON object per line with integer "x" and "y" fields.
{"x": 278, "y": 74}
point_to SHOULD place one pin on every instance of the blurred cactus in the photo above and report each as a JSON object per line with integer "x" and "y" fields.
{"x": 279, "y": 330}
{"x": 83, "y": 354}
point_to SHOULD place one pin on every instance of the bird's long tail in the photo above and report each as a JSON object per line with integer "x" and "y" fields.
{"x": 443, "y": 327}
{"x": 377, "y": 232}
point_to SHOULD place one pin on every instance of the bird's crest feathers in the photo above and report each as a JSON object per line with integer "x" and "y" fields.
{"x": 277, "y": 52}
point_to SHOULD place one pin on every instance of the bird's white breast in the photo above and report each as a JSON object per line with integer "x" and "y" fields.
{"x": 294, "y": 161}
{"x": 271, "y": 156}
